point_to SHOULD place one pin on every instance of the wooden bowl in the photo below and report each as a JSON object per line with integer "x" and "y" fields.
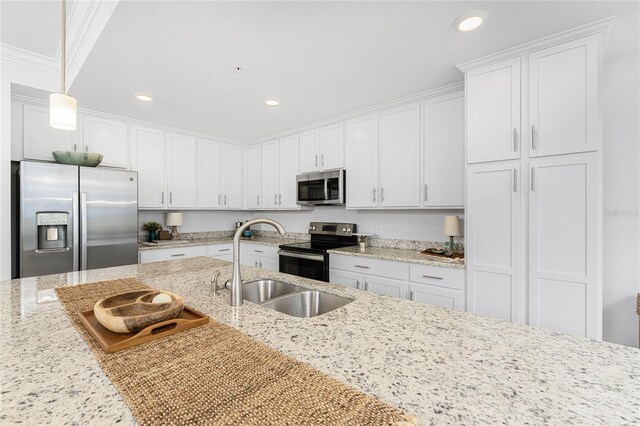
{"x": 133, "y": 311}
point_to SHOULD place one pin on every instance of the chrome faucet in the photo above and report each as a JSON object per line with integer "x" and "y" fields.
{"x": 236, "y": 280}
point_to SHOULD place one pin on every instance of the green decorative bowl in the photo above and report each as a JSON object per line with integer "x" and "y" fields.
{"x": 86, "y": 159}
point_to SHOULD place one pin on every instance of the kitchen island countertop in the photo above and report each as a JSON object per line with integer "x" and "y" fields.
{"x": 445, "y": 367}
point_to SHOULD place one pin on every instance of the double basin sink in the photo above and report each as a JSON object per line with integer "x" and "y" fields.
{"x": 291, "y": 299}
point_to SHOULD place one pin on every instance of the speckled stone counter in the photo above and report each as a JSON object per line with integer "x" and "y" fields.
{"x": 397, "y": 255}
{"x": 445, "y": 367}
{"x": 271, "y": 241}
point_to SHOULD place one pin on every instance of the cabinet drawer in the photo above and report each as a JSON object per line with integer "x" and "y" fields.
{"x": 432, "y": 295}
{"x": 259, "y": 250}
{"x": 436, "y": 275}
{"x": 368, "y": 266}
{"x": 172, "y": 254}
{"x": 217, "y": 250}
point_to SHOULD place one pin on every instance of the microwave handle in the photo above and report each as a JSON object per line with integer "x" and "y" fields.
{"x": 326, "y": 189}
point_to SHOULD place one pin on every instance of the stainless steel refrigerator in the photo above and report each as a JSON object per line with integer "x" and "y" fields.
{"x": 76, "y": 218}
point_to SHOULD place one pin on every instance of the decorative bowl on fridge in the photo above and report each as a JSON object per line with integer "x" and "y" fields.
{"x": 86, "y": 159}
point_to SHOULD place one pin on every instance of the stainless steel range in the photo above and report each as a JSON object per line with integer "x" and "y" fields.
{"x": 310, "y": 259}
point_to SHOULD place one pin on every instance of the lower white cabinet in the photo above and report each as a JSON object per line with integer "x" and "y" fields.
{"x": 260, "y": 256}
{"x": 221, "y": 251}
{"x": 386, "y": 286}
{"x": 439, "y": 296}
{"x": 175, "y": 253}
{"x": 346, "y": 278}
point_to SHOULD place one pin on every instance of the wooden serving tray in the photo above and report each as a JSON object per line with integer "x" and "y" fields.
{"x": 112, "y": 342}
{"x": 428, "y": 252}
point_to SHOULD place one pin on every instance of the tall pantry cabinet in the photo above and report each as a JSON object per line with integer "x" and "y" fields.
{"x": 534, "y": 193}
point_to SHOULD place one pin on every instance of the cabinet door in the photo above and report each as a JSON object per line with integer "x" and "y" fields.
{"x": 253, "y": 177}
{"x": 493, "y": 112}
{"x": 563, "y": 98}
{"x": 109, "y": 138}
{"x": 250, "y": 260}
{"x": 493, "y": 228}
{"x": 309, "y": 151}
{"x": 232, "y": 176}
{"x": 387, "y": 286}
{"x": 210, "y": 177}
{"x": 182, "y": 171}
{"x": 564, "y": 214}
{"x": 289, "y": 157}
{"x": 400, "y": 157}
{"x": 347, "y": 279}
{"x": 444, "y": 151}
{"x": 434, "y": 295}
{"x": 149, "y": 161}
{"x": 361, "y": 162}
{"x": 332, "y": 147}
{"x": 269, "y": 264}
{"x": 40, "y": 139}
{"x": 270, "y": 175}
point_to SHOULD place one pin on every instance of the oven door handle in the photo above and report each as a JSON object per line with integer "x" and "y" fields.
{"x": 316, "y": 257}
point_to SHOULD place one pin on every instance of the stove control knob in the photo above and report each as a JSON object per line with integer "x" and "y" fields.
{"x": 348, "y": 229}
{"x": 313, "y": 228}
{"x": 344, "y": 229}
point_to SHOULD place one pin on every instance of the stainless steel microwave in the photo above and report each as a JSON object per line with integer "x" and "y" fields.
{"x": 321, "y": 188}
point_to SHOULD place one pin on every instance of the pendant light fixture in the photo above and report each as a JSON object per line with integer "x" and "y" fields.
{"x": 62, "y": 107}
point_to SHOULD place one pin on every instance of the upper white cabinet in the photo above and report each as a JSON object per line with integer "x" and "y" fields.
{"x": 109, "y": 138}
{"x": 253, "y": 177}
{"x": 181, "y": 158}
{"x": 564, "y": 238}
{"x": 563, "y": 98}
{"x": 40, "y": 139}
{"x": 148, "y": 160}
{"x": 270, "y": 164}
{"x": 322, "y": 149}
{"x": 288, "y": 169}
{"x": 493, "y": 112}
{"x": 399, "y": 154}
{"x": 361, "y": 162}
{"x": 231, "y": 168}
{"x": 443, "y": 166}
{"x": 210, "y": 176}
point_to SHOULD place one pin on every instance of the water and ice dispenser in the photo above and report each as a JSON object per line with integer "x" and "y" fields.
{"x": 52, "y": 230}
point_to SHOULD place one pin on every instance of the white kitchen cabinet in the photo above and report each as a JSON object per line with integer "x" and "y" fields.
{"x": 109, "y": 138}
{"x": 176, "y": 253}
{"x": 270, "y": 162}
{"x": 182, "y": 171}
{"x": 493, "y": 237}
{"x": 434, "y": 295}
{"x": 563, "y": 244}
{"x": 346, "y": 278}
{"x": 260, "y": 256}
{"x": 399, "y": 154}
{"x": 563, "y": 98}
{"x": 493, "y": 112}
{"x": 361, "y": 162}
{"x": 209, "y": 174}
{"x": 322, "y": 149}
{"x": 369, "y": 266}
{"x": 437, "y": 286}
{"x": 288, "y": 168}
{"x": 387, "y": 286}
{"x": 231, "y": 168}
{"x": 221, "y": 251}
{"x": 40, "y": 139}
{"x": 443, "y": 164}
{"x": 148, "y": 160}
{"x": 253, "y": 177}
{"x": 377, "y": 276}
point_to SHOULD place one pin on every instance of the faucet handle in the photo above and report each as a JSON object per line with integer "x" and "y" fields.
{"x": 214, "y": 284}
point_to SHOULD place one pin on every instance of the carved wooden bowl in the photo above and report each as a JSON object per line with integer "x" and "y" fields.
{"x": 133, "y": 311}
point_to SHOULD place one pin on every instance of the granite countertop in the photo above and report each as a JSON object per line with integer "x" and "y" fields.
{"x": 271, "y": 241}
{"x": 397, "y": 255}
{"x": 445, "y": 367}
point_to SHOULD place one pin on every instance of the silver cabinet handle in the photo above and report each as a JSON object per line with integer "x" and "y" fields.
{"x": 533, "y": 179}
{"x": 218, "y": 199}
{"x": 162, "y": 197}
{"x": 411, "y": 295}
{"x": 382, "y": 194}
{"x": 225, "y": 199}
{"x": 366, "y": 285}
{"x": 374, "y": 195}
{"x": 360, "y": 266}
{"x": 533, "y": 137}
{"x": 515, "y": 180}
{"x": 261, "y": 264}
{"x": 322, "y": 159}
{"x": 171, "y": 197}
{"x": 83, "y": 231}
{"x": 75, "y": 146}
{"x": 177, "y": 255}
{"x": 258, "y": 251}
{"x": 426, "y": 190}
{"x": 515, "y": 140}
{"x": 255, "y": 263}
{"x": 275, "y": 199}
{"x": 224, "y": 249}
{"x": 86, "y": 148}
{"x": 432, "y": 277}
{"x": 358, "y": 284}
{"x": 316, "y": 160}
{"x": 279, "y": 199}
{"x": 257, "y": 200}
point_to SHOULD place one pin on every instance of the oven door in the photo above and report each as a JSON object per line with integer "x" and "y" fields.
{"x": 307, "y": 265}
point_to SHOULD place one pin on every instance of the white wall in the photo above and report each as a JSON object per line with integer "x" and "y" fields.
{"x": 199, "y": 221}
{"x": 621, "y": 198}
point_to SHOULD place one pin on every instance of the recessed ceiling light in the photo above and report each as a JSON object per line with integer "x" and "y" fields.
{"x": 144, "y": 98}
{"x": 470, "y": 20}
{"x": 272, "y": 102}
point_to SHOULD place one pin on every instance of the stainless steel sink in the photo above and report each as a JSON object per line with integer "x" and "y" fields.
{"x": 262, "y": 290}
{"x": 306, "y": 304}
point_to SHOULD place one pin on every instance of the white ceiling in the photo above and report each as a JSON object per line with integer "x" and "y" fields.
{"x": 320, "y": 59}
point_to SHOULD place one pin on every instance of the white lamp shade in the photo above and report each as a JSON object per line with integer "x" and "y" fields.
{"x": 62, "y": 111}
{"x": 451, "y": 226}
{"x": 173, "y": 219}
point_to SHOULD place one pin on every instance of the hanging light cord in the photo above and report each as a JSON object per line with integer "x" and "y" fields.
{"x": 63, "y": 47}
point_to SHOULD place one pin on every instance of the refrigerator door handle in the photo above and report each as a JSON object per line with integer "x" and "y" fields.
{"x": 83, "y": 231}
{"x": 76, "y": 231}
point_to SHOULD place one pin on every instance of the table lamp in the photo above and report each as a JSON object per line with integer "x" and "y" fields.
{"x": 451, "y": 229}
{"x": 173, "y": 220}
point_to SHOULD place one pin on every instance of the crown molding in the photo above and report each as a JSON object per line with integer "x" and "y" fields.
{"x": 29, "y": 59}
{"x": 417, "y": 97}
{"x": 601, "y": 26}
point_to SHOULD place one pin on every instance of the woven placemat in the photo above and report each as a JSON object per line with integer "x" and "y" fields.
{"x": 214, "y": 374}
